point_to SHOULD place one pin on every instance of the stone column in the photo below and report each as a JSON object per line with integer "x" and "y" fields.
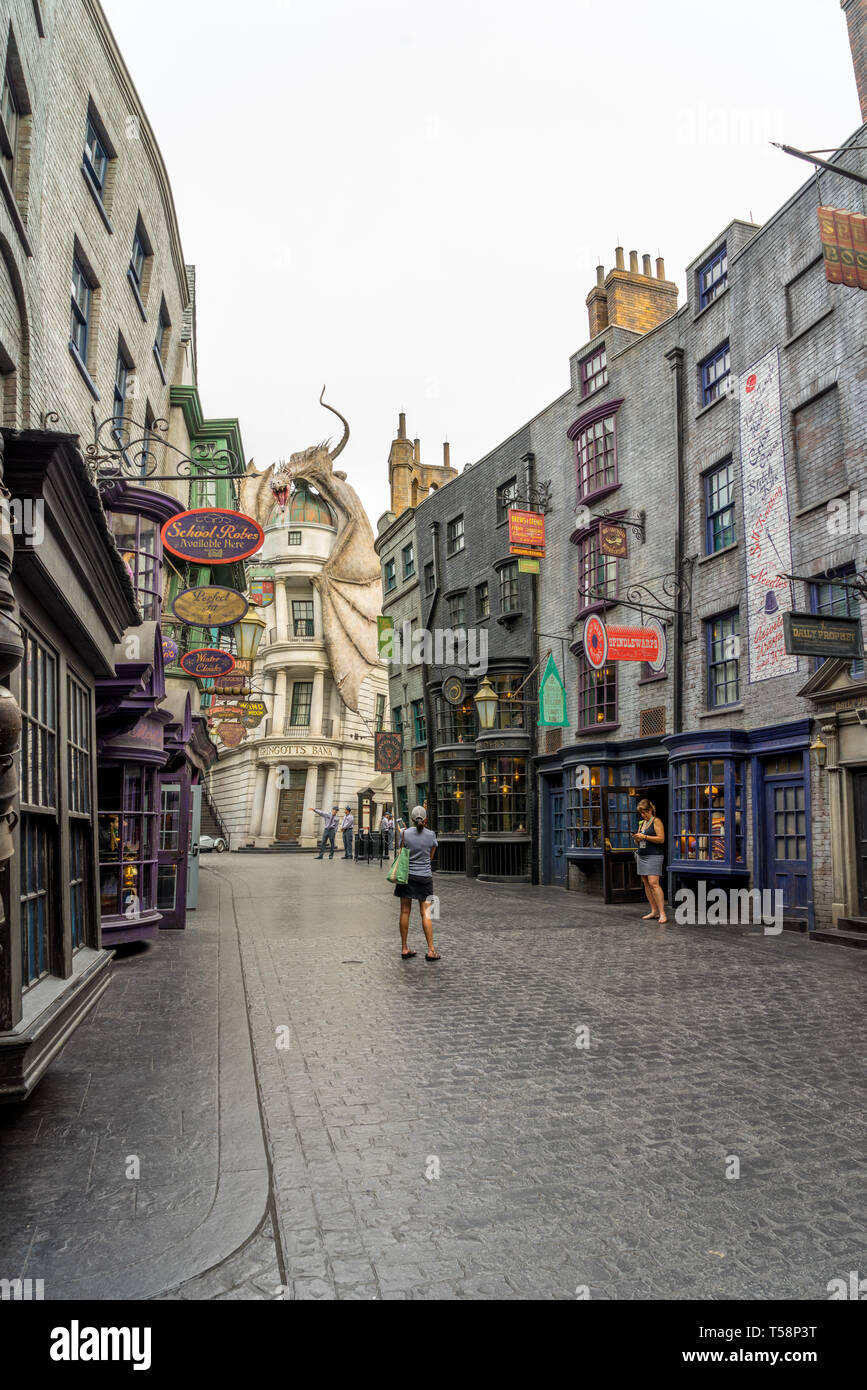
{"x": 316, "y": 703}
{"x": 272, "y": 802}
{"x": 258, "y": 800}
{"x": 841, "y": 829}
{"x": 279, "y": 703}
{"x": 311, "y": 826}
{"x": 281, "y": 606}
{"x": 318, "y": 629}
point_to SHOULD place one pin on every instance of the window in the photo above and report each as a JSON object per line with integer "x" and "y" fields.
{"x": 596, "y": 457}
{"x": 597, "y": 694}
{"x": 457, "y": 798}
{"x": 709, "y": 811}
{"x": 507, "y": 494}
{"x": 79, "y": 330}
{"x": 510, "y": 711}
{"x": 719, "y": 507}
{"x": 503, "y": 795}
{"x": 397, "y": 720}
{"x": 483, "y": 601}
{"x": 509, "y": 587}
{"x": 723, "y": 652}
{"x": 403, "y": 804}
{"x": 455, "y": 723}
{"x": 418, "y": 721}
{"x": 137, "y": 259}
{"x": 455, "y": 536}
{"x": 11, "y": 113}
{"x": 38, "y": 775}
{"x": 379, "y": 717}
{"x": 458, "y": 611}
{"x": 390, "y": 579}
{"x": 121, "y": 383}
{"x": 594, "y": 372}
{"x": 302, "y": 618}
{"x": 80, "y": 809}
{"x": 408, "y": 555}
{"x": 429, "y": 578}
{"x": 302, "y": 697}
{"x": 834, "y": 600}
{"x": 137, "y": 539}
{"x": 712, "y": 277}
{"x": 421, "y": 794}
{"x": 715, "y": 373}
{"x": 597, "y": 573}
{"x": 95, "y": 158}
{"x": 584, "y": 807}
{"x": 161, "y": 339}
{"x": 127, "y": 840}
{"x": 293, "y": 538}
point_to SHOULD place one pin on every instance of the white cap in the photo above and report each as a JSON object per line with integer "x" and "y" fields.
{"x": 418, "y": 813}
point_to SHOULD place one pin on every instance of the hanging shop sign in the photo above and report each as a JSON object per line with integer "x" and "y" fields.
{"x": 231, "y": 734}
{"x": 170, "y": 651}
{"x": 808, "y": 635}
{"x": 602, "y": 644}
{"x": 453, "y": 690}
{"x": 231, "y": 685}
{"x": 388, "y": 751}
{"x": 528, "y": 566}
{"x": 261, "y": 592}
{"x": 224, "y": 711}
{"x": 210, "y": 605}
{"x": 768, "y": 550}
{"x": 844, "y": 246}
{"x": 212, "y": 536}
{"x": 252, "y": 712}
{"x": 612, "y": 540}
{"x": 552, "y": 698}
{"x": 527, "y": 534}
{"x": 209, "y": 662}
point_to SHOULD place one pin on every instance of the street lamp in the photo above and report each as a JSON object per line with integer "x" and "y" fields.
{"x": 248, "y": 635}
{"x": 485, "y": 701}
{"x": 820, "y": 749}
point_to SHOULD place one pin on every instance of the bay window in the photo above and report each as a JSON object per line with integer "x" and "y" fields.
{"x": 709, "y": 811}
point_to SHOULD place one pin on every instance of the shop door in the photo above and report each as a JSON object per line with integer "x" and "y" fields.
{"x": 621, "y": 882}
{"x": 172, "y": 850}
{"x": 289, "y": 814}
{"x": 556, "y": 865}
{"x": 786, "y": 844}
{"x": 859, "y": 796}
{"x": 193, "y": 856}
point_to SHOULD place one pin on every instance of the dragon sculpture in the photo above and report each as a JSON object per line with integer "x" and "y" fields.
{"x": 349, "y": 583}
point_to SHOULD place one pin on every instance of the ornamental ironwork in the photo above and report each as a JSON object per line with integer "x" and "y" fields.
{"x": 534, "y": 499}
{"x": 665, "y": 594}
{"x": 123, "y": 450}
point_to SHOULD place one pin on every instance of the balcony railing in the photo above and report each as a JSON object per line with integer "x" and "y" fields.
{"x": 308, "y": 730}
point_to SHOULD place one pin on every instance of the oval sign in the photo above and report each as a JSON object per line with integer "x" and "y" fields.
{"x": 210, "y": 605}
{"x": 595, "y": 642}
{"x": 170, "y": 651}
{"x": 212, "y": 536}
{"x": 208, "y": 662}
{"x": 659, "y": 664}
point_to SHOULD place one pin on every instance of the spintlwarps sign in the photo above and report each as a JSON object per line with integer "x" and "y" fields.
{"x": 766, "y": 519}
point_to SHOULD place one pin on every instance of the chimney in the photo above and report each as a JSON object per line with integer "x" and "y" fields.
{"x": 446, "y": 456}
{"x": 645, "y": 260}
{"x": 633, "y": 263}
{"x": 416, "y": 451}
{"x": 630, "y": 299}
{"x": 618, "y": 258}
{"x": 401, "y": 426}
{"x": 856, "y": 18}
{"x": 660, "y": 268}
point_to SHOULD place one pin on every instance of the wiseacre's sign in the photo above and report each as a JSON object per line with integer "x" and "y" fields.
{"x": 207, "y": 662}
{"x": 209, "y": 605}
{"x": 809, "y": 635}
{"x": 212, "y": 536}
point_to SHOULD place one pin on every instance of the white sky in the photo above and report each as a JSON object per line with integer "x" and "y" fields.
{"x": 407, "y": 201}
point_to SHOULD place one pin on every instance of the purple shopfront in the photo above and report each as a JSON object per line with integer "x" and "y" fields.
{"x": 190, "y": 753}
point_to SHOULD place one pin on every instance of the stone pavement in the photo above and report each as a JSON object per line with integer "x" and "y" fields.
{"x": 432, "y": 1130}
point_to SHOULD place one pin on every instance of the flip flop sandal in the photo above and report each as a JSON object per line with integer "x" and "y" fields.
{"x": 432, "y": 958}
{"x": 407, "y": 955}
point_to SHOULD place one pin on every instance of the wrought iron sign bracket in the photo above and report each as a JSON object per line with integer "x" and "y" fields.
{"x": 672, "y": 597}
{"x": 639, "y": 526}
{"x": 535, "y": 499}
{"x": 125, "y": 451}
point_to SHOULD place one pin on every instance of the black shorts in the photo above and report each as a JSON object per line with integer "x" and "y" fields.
{"x": 419, "y": 889}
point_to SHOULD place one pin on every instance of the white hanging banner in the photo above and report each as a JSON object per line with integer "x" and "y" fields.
{"x": 767, "y": 533}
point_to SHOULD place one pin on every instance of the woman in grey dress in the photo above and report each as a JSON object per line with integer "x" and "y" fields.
{"x": 650, "y": 838}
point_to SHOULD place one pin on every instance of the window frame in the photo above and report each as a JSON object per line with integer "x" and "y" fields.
{"x": 507, "y": 496}
{"x": 389, "y": 574}
{"x": 707, "y": 293}
{"x": 714, "y": 390}
{"x": 727, "y": 615}
{"x": 710, "y": 514}
{"x": 596, "y": 470}
{"x": 98, "y": 182}
{"x": 508, "y": 576}
{"x": 596, "y": 682}
{"x": 454, "y": 534}
{"x": 407, "y": 557}
{"x": 419, "y": 723}
{"x": 589, "y": 384}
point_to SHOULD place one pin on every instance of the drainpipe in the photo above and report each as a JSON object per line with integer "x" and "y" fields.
{"x": 428, "y": 703}
{"x": 675, "y": 358}
{"x": 530, "y": 460}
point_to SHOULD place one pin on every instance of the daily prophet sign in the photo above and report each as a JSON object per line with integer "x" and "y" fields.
{"x": 766, "y": 519}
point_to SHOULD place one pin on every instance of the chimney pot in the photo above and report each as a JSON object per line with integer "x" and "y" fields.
{"x": 416, "y": 450}
{"x": 647, "y": 271}
{"x": 401, "y": 426}
{"x": 446, "y": 455}
{"x": 633, "y": 262}
{"x": 660, "y": 268}
{"x": 618, "y": 257}
{"x": 600, "y": 276}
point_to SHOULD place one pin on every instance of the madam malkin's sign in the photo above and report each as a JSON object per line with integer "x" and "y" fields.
{"x": 207, "y": 662}
{"x": 808, "y": 635}
{"x": 212, "y": 536}
{"x": 209, "y": 605}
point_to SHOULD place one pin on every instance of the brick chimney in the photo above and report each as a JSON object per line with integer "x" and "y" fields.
{"x": 856, "y": 18}
{"x": 630, "y": 298}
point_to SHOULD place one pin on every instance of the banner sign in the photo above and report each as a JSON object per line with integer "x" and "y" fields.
{"x": 170, "y": 651}
{"x": 844, "y": 246}
{"x": 388, "y": 751}
{"x": 766, "y": 518}
{"x": 207, "y": 661}
{"x": 212, "y": 536}
{"x": 552, "y": 698}
{"x": 808, "y": 635}
{"x": 209, "y": 605}
{"x": 384, "y": 636}
{"x": 603, "y": 644}
{"x": 261, "y": 592}
{"x": 612, "y": 540}
{"x": 527, "y": 533}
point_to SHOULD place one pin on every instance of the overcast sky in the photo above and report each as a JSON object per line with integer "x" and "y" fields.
{"x": 407, "y": 201}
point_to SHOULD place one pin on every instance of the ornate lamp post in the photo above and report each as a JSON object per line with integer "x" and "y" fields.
{"x": 486, "y": 701}
{"x": 248, "y": 634}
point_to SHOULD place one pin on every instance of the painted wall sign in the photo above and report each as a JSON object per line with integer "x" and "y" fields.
{"x": 388, "y": 751}
{"x": 296, "y": 750}
{"x": 844, "y": 246}
{"x": 170, "y": 651}
{"x": 809, "y": 635}
{"x": 766, "y": 519}
{"x": 209, "y": 605}
{"x": 552, "y": 698}
{"x": 612, "y": 539}
{"x": 207, "y": 661}
{"x": 212, "y": 536}
{"x": 527, "y": 533}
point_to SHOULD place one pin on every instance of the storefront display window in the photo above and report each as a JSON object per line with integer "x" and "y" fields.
{"x": 510, "y": 711}
{"x": 709, "y": 811}
{"x": 457, "y": 788}
{"x": 503, "y": 795}
{"x": 38, "y": 781}
{"x": 584, "y": 806}
{"x": 455, "y": 723}
{"x": 127, "y": 840}
{"x": 138, "y": 540}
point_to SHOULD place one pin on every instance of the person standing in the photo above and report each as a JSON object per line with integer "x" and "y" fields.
{"x": 329, "y": 829}
{"x": 422, "y": 846}
{"x": 347, "y": 826}
{"x": 386, "y": 830}
{"x": 650, "y": 837}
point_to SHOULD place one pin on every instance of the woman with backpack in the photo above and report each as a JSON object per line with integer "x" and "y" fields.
{"x": 422, "y": 846}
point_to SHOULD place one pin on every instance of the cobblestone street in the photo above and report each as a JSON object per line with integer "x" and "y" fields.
{"x": 433, "y": 1131}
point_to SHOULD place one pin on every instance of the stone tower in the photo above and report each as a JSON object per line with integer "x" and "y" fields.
{"x": 410, "y": 479}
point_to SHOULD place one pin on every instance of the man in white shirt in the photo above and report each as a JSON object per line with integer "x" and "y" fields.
{"x": 347, "y": 826}
{"x": 329, "y": 829}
